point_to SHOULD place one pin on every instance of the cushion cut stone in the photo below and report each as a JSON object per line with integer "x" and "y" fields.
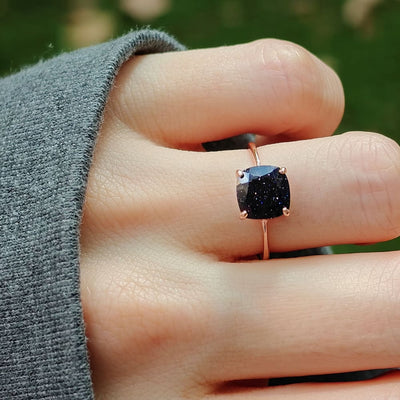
{"x": 263, "y": 192}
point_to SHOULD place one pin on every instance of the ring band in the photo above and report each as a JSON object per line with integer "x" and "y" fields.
{"x": 263, "y": 193}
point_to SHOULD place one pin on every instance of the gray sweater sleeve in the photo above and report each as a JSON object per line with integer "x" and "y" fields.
{"x": 49, "y": 117}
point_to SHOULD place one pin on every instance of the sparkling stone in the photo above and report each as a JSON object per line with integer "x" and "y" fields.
{"x": 263, "y": 192}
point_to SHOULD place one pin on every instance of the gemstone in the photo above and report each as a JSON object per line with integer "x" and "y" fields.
{"x": 263, "y": 192}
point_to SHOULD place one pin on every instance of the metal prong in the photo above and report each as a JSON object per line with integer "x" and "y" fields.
{"x": 286, "y": 211}
{"x": 240, "y": 173}
{"x": 283, "y": 170}
{"x": 244, "y": 214}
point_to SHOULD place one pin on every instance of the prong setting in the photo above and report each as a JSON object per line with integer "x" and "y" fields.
{"x": 239, "y": 173}
{"x": 263, "y": 192}
{"x": 285, "y": 211}
{"x": 244, "y": 214}
{"x": 282, "y": 170}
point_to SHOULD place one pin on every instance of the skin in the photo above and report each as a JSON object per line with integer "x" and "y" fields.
{"x": 173, "y": 307}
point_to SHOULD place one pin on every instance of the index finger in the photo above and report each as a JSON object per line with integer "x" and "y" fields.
{"x": 269, "y": 87}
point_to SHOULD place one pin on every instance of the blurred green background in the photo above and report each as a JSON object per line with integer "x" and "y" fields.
{"x": 360, "y": 39}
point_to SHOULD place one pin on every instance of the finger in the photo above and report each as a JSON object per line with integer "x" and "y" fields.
{"x": 344, "y": 189}
{"x": 312, "y": 316}
{"x": 269, "y": 87}
{"x": 384, "y": 387}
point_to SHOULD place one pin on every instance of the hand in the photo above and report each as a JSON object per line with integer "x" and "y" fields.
{"x": 172, "y": 310}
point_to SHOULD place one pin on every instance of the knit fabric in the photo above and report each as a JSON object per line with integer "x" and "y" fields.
{"x": 49, "y": 118}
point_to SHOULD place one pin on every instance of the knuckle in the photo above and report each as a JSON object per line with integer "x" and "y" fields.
{"x": 388, "y": 288}
{"x": 150, "y": 309}
{"x": 115, "y": 198}
{"x": 298, "y": 80}
{"x": 386, "y": 279}
{"x": 293, "y": 67}
{"x": 106, "y": 200}
{"x": 375, "y": 148}
{"x": 375, "y": 161}
{"x": 286, "y": 55}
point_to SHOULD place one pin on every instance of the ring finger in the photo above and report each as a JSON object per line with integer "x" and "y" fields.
{"x": 344, "y": 189}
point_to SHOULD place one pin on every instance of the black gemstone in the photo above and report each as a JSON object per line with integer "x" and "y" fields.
{"x": 263, "y": 192}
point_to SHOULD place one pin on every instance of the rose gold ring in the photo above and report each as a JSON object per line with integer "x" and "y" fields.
{"x": 263, "y": 193}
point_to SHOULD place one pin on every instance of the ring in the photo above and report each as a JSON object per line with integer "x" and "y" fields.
{"x": 263, "y": 193}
